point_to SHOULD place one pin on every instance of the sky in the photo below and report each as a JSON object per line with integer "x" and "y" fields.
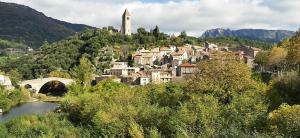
{"x": 174, "y": 16}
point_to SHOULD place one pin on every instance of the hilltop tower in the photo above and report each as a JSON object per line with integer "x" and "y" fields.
{"x": 126, "y": 23}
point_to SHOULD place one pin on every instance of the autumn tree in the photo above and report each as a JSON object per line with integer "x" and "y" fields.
{"x": 262, "y": 59}
{"x": 220, "y": 77}
{"x": 277, "y": 58}
{"x": 293, "y": 47}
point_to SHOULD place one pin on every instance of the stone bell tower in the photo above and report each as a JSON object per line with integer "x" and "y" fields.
{"x": 126, "y": 23}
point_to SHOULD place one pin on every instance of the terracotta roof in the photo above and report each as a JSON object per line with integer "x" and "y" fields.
{"x": 179, "y": 53}
{"x": 187, "y": 65}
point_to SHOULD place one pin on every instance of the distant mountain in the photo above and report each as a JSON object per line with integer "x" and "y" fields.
{"x": 22, "y": 23}
{"x": 273, "y": 36}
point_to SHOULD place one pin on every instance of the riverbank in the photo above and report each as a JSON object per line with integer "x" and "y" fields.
{"x": 12, "y": 98}
{"x": 45, "y": 98}
{"x": 30, "y": 108}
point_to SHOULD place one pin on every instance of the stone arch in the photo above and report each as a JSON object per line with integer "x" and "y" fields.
{"x": 53, "y": 88}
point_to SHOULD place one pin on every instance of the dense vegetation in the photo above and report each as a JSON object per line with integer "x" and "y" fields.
{"x": 217, "y": 101}
{"x": 222, "y": 99}
{"x": 10, "y": 98}
{"x": 11, "y": 44}
{"x": 22, "y": 23}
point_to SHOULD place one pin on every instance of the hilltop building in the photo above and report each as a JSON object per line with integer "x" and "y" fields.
{"x": 126, "y": 23}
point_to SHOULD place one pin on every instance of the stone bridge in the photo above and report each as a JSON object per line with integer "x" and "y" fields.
{"x": 37, "y": 84}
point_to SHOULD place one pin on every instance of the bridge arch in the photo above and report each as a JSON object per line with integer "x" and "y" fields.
{"x": 54, "y": 88}
{"x": 36, "y": 84}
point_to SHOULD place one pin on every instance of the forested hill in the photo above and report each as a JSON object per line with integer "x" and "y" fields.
{"x": 22, "y": 23}
{"x": 273, "y": 36}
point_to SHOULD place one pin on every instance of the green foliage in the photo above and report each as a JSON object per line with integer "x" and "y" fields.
{"x": 50, "y": 125}
{"x": 112, "y": 109}
{"x": 285, "y": 120}
{"x": 221, "y": 77}
{"x": 285, "y": 89}
{"x": 24, "y": 24}
{"x": 11, "y": 44}
{"x": 15, "y": 77}
{"x": 59, "y": 74}
{"x": 247, "y": 111}
{"x": 11, "y": 98}
{"x": 293, "y": 46}
{"x": 83, "y": 73}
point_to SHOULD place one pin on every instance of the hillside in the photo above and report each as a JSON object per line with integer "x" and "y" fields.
{"x": 22, "y": 23}
{"x": 273, "y": 36}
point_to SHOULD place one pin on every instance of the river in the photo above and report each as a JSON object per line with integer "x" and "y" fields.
{"x": 28, "y": 109}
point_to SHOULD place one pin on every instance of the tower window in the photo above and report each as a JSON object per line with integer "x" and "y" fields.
{"x": 128, "y": 18}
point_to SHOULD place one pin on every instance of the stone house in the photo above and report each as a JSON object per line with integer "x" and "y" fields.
{"x": 186, "y": 69}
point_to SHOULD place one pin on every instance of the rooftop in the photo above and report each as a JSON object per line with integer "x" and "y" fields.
{"x": 187, "y": 65}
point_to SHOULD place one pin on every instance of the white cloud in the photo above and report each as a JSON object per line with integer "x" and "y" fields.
{"x": 194, "y": 16}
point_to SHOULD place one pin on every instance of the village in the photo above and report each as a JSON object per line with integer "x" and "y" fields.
{"x": 170, "y": 63}
{"x": 165, "y": 64}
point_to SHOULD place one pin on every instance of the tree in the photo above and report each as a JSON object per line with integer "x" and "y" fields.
{"x": 183, "y": 34}
{"x": 285, "y": 120}
{"x": 59, "y": 74}
{"x": 156, "y": 32}
{"x": 277, "y": 58}
{"x": 124, "y": 51}
{"x": 142, "y": 31}
{"x": 285, "y": 89}
{"x": 247, "y": 111}
{"x": 15, "y": 77}
{"x": 262, "y": 59}
{"x": 83, "y": 73}
{"x": 293, "y": 47}
{"x": 220, "y": 77}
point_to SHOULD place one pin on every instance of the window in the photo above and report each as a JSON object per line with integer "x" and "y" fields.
{"x": 128, "y": 18}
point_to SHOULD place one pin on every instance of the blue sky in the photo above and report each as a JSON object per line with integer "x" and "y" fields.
{"x": 173, "y": 16}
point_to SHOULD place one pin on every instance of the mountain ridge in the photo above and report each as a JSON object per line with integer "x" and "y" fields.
{"x": 273, "y": 36}
{"x": 22, "y": 23}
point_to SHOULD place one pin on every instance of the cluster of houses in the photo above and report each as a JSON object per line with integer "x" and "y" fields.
{"x": 172, "y": 63}
{"x": 16, "y": 50}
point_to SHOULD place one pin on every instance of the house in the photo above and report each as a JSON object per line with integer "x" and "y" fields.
{"x": 146, "y": 59}
{"x": 165, "y": 51}
{"x": 121, "y": 69}
{"x": 165, "y": 76}
{"x": 138, "y": 78}
{"x": 210, "y": 47}
{"x": 6, "y": 82}
{"x": 186, "y": 69}
{"x": 161, "y": 76}
{"x": 180, "y": 55}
